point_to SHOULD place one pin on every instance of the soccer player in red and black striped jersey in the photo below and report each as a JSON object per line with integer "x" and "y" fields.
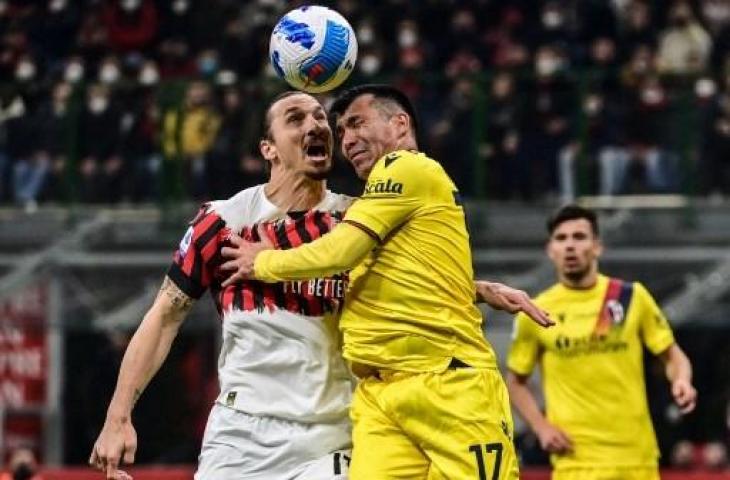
{"x": 285, "y": 391}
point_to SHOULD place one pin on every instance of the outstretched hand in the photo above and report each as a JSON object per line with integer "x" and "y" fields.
{"x": 241, "y": 256}
{"x": 512, "y": 300}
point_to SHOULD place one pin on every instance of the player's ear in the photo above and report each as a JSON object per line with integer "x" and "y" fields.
{"x": 599, "y": 246}
{"x": 267, "y": 149}
{"x": 402, "y": 122}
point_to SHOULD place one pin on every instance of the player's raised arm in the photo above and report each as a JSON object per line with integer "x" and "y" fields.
{"x": 145, "y": 354}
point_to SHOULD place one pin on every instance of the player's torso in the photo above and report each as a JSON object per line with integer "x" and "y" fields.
{"x": 412, "y": 300}
{"x": 592, "y": 367}
{"x": 281, "y": 354}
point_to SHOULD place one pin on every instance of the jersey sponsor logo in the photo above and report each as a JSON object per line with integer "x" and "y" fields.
{"x": 593, "y": 344}
{"x": 388, "y": 186}
{"x": 392, "y": 157}
{"x": 185, "y": 242}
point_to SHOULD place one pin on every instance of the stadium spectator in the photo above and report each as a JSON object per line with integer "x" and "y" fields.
{"x": 131, "y": 25}
{"x": 188, "y": 136}
{"x": 507, "y": 173}
{"x": 22, "y": 465}
{"x": 716, "y": 148}
{"x": 549, "y": 107}
{"x": 684, "y": 46}
{"x": 101, "y": 167}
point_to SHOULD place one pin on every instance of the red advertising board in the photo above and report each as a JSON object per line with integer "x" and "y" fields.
{"x": 23, "y": 348}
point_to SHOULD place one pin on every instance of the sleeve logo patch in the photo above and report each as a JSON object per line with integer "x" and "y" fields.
{"x": 383, "y": 186}
{"x": 185, "y": 242}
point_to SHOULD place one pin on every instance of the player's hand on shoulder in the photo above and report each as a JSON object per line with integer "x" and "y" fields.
{"x": 116, "y": 443}
{"x": 512, "y": 300}
{"x": 241, "y": 256}
{"x": 685, "y": 395}
{"x": 554, "y": 440}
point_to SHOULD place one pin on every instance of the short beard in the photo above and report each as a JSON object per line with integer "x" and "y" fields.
{"x": 318, "y": 176}
{"x": 577, "y": 276}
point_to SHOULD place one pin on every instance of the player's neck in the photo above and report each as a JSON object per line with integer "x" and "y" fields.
{"x": 294, "y": 192}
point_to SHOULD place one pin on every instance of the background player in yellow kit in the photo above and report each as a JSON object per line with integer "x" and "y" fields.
{"x": 431, "y": 402}
{"x": 597, "y": 425}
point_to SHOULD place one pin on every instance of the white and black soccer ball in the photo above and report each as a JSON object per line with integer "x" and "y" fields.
{"x": 313, "y": 48}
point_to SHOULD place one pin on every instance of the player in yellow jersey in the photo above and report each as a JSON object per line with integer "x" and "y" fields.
{"x": 430, "y": 403}
{"x": 597, "y": 425}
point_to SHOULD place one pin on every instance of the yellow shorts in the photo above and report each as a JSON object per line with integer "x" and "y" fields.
{"x": 451, "y": 425}
{"x": 607, "y": 473}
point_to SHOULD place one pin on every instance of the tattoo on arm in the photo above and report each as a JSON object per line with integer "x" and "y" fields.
{"x": 178, "y": 298}
{"x": 137, "y": 394}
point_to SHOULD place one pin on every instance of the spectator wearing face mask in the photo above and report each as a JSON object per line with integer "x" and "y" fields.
{"x": 188, "y": 135}
{"x": 22, "y": 465}
{"x": 684, "y": 46}
{"x": 101, "y": 166}
{"x": 550, "y": 103}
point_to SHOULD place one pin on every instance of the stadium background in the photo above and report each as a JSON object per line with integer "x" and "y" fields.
{"x": 118, "y": 117}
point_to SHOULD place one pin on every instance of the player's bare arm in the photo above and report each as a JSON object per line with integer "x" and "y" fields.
{"x": 146, "y": 352}
{"x": 679, "y": 373}
{"x": 512, "y": 300}
{"x": 552, "y": 439}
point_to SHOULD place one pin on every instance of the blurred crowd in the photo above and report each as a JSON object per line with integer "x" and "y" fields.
{"x": 127, "y": 100}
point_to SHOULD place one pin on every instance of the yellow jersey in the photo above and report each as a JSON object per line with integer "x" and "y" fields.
{"x": 592, "y": 369}
{"x": 411, "y": 303}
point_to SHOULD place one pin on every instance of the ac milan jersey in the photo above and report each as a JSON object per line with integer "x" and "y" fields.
{"x": 280, "y": 354}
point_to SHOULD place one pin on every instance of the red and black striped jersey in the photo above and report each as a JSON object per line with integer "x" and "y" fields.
{"x": 196, "y": 264}
{"x": 281, "y": 349}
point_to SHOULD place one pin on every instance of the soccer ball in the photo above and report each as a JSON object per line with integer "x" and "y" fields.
{"x": 313, "y": 48}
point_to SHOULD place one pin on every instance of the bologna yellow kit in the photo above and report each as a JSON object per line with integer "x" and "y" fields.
{"x": 593, "y": 375}
{"x": 431, "y": 403}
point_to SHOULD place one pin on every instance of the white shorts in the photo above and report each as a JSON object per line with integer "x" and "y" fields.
{"x": 238, "y": 446}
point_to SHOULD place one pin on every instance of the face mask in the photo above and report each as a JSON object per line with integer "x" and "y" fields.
{"x": 552, "y": 20}
{"x": 130, "y": 5}
{"x": 98, "y": 104}
{"x": 370, "y": 65}
{"x": 180, "y": 6}
{"x": 149, "y": 76}
{"x": 56, "y": 6}
{"x": 716, "y": 12}
{"x": 652, "y": 95}
{"x": 407, "y": 38}
{"x": 74, "y": 72}
{"x": 593, "y": 105}
{"x": 207, "y": 65}
{"x": 25, "y": 71}
{"x": 365, "y": 35}
{"x": 226, "y": 77}
{"x": 109, "y": 74}
{"x": 22, "y": 472}
{"x": 705, "y": 88}
{"x": 547, "y": 66}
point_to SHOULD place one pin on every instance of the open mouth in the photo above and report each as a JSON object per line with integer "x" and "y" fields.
{"x": 316, "y": 151}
